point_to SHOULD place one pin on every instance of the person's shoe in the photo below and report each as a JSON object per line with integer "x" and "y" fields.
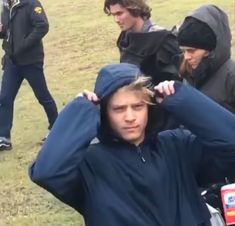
{"x": 5, "y": 144}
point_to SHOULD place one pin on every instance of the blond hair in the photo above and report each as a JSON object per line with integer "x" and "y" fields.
{"x": 143, "y": 84}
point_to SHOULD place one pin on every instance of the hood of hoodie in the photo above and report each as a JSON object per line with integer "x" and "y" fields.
{"x": 217, "y": 20}
{"x": 114, "y": 76}
{"x": 110, "y": 79}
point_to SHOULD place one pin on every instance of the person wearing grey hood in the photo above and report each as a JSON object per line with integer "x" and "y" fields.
{"x": 205, "y": 40}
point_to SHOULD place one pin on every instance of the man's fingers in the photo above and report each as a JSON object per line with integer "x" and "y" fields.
{"x": 165, "y": 88}
{"x": 89, "y": 95}
{"x": 158, "y": 88}
{"x": 172, "y": 87}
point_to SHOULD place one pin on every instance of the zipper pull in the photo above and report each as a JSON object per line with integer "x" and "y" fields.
{"x": 140, "y": 153}
{"x": 143, "y": 159}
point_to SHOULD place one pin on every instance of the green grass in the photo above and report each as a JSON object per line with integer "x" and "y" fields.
{"x": 81, "y": 40}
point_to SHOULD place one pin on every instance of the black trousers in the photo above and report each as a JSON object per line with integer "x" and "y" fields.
{"x": 13, "y": 75}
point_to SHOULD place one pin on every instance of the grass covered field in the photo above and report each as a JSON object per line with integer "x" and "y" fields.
{"x": 81, "y": 40}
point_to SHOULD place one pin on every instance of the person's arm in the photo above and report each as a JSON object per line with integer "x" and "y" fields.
{"x": 2, "y": 32}
{"x": 40, "y": 25}
{"x": 212, "y": 144}
{"x": 213, "y": 124}
{"x": 56, "y": 167}
{"x": 4, "y": 22}
{"x": 230, "y": 91}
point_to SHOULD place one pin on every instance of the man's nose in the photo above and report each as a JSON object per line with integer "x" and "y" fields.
{"x": 130, "y": 115}
{"x": 116, "y": 18}
{"x": 187, "y": 55}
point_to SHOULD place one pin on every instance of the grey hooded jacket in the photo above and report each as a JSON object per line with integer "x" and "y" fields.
{"x": 219, "y": 83}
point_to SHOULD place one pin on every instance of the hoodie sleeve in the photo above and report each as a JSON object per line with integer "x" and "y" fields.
{"x": 2, "y": 25}
{"x": 230, "y": 88}
{"x": 56, "y": 167}
{"x": 212, "y": 125}
{"x": 2, "y": 33}
{"x": 40, "y": 25}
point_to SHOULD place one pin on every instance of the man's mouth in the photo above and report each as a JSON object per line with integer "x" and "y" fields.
{"x": 130, "y": 128}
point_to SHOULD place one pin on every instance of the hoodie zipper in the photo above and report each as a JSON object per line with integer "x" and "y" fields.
{"x": 139, "y": 151}
{"x": 15, "y": 3}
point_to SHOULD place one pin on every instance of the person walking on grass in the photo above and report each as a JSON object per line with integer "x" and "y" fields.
{"x": 24, "y": 24}
{"x": 135, "y": 175}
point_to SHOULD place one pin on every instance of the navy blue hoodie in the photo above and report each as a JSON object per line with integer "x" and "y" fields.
{"x": 115, "y": 183}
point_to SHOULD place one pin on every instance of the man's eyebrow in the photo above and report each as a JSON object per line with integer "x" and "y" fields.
{"x": 118, "y": 105}
{"x": 117, "y": 12}
{"x": 123, "y": 105}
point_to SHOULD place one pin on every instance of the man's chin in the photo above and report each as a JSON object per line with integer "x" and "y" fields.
{"x": 194, "y": 67}
{"x": 122, "y": 28}
{"x": 132, "y": 138}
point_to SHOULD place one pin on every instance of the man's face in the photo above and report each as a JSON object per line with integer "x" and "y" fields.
{"x": 194, "y": 56}
{"x": 124, "y": 19}
{"x": 127, "y": 113}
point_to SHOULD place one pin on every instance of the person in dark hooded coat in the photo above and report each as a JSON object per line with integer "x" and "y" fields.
{"x": 213, "y": 73}
{"x": 142, "y": 42}
{"x": 205, "y": 40}
{"x": 135, "y": 176}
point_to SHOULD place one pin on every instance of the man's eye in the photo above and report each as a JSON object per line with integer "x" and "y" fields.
{"x": 138, "y": 106}
{"x": 191, "y": 51}
{"x": 118, "y": 109}
{"x": 117, "y": 14}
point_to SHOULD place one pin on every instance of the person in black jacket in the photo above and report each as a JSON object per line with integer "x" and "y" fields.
{"x": 24, "y": 24}
{"x": 135, "y": 175}
{"x": 143, "y": 43}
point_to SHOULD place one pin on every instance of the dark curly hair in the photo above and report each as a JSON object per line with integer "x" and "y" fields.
{"x": 135, "y": 7}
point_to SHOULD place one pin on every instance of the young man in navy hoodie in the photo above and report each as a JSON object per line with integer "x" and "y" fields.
{"x": 135, "y": 176}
